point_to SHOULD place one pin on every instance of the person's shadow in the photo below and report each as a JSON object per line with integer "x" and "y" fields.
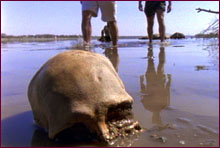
{"x": 156, "y": 91}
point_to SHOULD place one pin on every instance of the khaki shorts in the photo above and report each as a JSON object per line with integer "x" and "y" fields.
{"x": 108, "y": 9}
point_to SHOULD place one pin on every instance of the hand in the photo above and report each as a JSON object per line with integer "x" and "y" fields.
{"x": 140, "y": 7}
{"x": 168, "y": 8}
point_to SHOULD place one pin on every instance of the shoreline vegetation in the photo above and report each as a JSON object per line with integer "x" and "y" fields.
{"x": 50, "y": 37}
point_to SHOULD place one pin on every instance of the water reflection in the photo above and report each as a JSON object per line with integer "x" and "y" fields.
{"x": 156, "y": 91}
{"x": 212, "y": 47}
{"x": 201, "y": 88}
{"x": 112, "y": 54}
{"x": 19, "y": 130}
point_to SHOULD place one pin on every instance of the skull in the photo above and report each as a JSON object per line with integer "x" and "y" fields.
{"x": 78, "y": 87}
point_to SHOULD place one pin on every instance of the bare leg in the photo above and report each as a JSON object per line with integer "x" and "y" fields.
{"x": 114, "y": 32}
{"x": 150, "y": 23}
{"x": 86, "y": 26}
{"x": 160, "y": 18}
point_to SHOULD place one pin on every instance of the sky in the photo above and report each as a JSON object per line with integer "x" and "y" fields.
{"x": 64, "y": 18}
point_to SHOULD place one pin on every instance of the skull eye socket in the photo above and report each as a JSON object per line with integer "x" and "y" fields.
{"x": 120, "y": 111}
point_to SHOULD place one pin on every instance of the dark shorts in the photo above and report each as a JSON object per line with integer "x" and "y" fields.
{"x": 152, "y": 6}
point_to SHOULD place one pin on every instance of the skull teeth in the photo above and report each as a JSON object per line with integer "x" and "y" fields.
{"x": 122, "y": 128}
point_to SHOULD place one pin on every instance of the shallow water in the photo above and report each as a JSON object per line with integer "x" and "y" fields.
{"x": 175, "y": 90}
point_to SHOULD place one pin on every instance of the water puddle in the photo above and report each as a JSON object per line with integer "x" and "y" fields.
{"x": 175, "y": 90}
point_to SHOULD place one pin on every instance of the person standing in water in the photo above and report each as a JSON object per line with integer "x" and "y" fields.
{"x": 152, "y": 8}
{"x": 108, "y": 10}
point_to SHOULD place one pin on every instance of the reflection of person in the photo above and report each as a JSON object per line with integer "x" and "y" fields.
{"x": 157, "y": 89}
{"x": 112, "y": 54}
{"x": 105, "y": 34}
{"x": 90, "y": 9}
{"x": 152, "y": 7}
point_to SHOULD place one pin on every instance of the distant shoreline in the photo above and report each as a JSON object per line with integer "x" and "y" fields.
{"x": 48, "y": 37}
{"x": 45, "y": 38}
{"x": 33, "y": 39}
{"x": 37, "y": 38}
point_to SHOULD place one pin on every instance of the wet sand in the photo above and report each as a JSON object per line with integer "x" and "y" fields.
{"x": 175, "y": 90}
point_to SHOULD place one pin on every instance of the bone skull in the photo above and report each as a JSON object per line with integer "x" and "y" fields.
{"x": 77, "y": 87}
